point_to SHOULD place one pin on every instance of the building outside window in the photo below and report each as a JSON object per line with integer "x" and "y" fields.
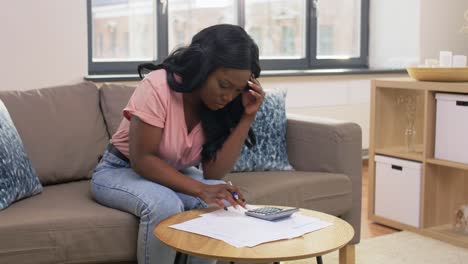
{"x": 291, "y": 34}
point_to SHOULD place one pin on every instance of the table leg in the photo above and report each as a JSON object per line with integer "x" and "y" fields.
{"x": 347, "y": 255}
{"x": 180, "y": 258}
{"x": 319, "y": 260}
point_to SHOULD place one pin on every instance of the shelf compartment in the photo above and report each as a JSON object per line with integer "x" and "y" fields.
{"x": 445, "y": 190}
{"x": 447, "y": 234}
{"x": 393, "y": 175}
{"x": 400, "y": 152}
{"x": 391, "y": 108}
{"x": 451, "y": 129}
{"x": 448, "y": 163}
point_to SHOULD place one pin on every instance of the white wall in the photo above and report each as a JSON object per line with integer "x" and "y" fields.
{"x": 441, "y": 21}
{"x": 406, "y": 32}
{"x": 343, "y": 98}
{"x": 394, "y": 27}
{"x": 43, "y": 43}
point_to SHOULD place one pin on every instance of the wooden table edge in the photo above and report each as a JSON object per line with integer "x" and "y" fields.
{"x": 346, "y": 250}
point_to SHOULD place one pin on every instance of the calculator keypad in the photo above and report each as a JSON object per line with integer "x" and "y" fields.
{"x": 271, "y": 213}
{"x": 267, "y": 210}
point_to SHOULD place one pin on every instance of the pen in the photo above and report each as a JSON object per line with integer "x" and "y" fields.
{"x": 234, "y": 194}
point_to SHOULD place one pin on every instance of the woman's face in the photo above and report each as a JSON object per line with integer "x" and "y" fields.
{"x": 222, "y": 86}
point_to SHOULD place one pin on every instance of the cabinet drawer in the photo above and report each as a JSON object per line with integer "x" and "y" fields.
{"x": 398, "y": 190}
{"x": 451, "y": 141}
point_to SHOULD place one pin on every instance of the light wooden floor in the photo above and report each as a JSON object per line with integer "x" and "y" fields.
{"x": 368, "y": 228}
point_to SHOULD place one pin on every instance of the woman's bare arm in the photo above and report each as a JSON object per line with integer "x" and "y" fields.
{"x": 229, "y": 152}
{"x": 144, "y": 142}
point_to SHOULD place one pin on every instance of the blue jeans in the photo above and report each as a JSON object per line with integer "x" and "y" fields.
{"x": 115, "y": 184}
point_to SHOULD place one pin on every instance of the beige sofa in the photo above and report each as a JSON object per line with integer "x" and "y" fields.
{"x": 65, "y": 129}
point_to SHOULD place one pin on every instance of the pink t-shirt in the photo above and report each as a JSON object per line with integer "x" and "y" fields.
{"x": 158, "y": 105}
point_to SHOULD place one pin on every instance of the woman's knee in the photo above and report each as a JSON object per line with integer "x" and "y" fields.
{"x": 161, "y": 207}
{"x": 127, "y": 191}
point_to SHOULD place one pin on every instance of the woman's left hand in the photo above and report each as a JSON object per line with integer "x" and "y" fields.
{"x": 253, "y": 98}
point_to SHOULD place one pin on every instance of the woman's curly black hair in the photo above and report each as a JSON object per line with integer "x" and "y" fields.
{"x": 227, "y": 46}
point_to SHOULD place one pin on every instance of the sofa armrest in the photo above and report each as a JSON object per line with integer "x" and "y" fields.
{"x": 327, "y": 145}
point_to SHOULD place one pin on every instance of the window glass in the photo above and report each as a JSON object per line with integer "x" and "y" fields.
{"x": 339, "y": 29}
{"x": 278, "y": 27}
{"x": 123, "y": 30}
{"x": 187, "y": 17}
{"x": 124, "y": 33}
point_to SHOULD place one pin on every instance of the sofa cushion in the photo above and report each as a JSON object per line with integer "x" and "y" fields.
{"x": 64, "y": 225}
{"x": 114, "y": 97}
{"x": 325, "y": 192}
{"x": 17, "y": 176}
{"x": 62, "y": 129}
{"x": 270, "y": 152}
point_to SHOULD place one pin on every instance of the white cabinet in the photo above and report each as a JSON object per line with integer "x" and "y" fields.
{"x": 398, "y": 190}
{"x": 451, "y": 141}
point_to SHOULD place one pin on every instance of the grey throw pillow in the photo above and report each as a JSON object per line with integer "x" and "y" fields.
{"x": 18, "y": 178}
{"x": 270, "y": 152}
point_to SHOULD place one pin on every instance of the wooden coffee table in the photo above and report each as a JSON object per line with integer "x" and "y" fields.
{"x": 313, "y": 244}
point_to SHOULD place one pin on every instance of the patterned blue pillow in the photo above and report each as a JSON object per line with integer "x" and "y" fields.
{"x": 269, "y": 126}
{"x": 17, "y": 176}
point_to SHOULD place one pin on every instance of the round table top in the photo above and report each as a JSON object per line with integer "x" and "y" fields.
{"x": 312, "y": 244}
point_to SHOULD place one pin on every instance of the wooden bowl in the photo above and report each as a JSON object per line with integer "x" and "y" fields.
{"x": 439, "y": 74}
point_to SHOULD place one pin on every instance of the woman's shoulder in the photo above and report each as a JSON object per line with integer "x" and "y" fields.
{"x": 157, "y": 78}
{"x": 158, "y": 81}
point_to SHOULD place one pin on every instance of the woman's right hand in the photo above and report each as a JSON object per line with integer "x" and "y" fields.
{"x": 215, "y": 194}
{"x": 253, "y": 98}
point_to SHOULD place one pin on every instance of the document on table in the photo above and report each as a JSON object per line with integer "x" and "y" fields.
{"x": 239, "y": 230}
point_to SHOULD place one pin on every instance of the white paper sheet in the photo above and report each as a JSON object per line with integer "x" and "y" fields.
{"x": 239, "y": 230}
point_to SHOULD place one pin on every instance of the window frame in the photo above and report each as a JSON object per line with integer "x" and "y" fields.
{"x": 310, "y": 62}
{"x": 128, "y": 67}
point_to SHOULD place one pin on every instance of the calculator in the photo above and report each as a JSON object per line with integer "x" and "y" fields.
{"x": 271, "y": 213}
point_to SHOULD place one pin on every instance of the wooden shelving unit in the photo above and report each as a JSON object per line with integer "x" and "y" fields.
{"x": 447, "y": 163}
{"x": 446, "y": 233}
{"x": 399, "y": 152}
{"x": 444, "y": 184}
